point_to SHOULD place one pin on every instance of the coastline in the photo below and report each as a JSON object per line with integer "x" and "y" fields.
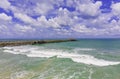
{"x": 31, "y": 42}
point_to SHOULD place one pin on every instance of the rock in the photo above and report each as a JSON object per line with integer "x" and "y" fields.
{"x": 31, "y": 42}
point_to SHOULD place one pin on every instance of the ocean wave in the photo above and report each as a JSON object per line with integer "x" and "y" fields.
{"x": 36, "y": 51}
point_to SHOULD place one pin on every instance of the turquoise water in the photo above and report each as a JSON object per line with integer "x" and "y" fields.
{"x": 83, "y": 59}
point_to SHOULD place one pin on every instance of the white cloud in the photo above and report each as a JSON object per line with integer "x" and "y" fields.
{"x": 82, "y": 28}
{"x": 5, "y": 4}
{"x": 43, "y": 8}
{"x": 116, "y": 8}
{"x": 42, "y": 21}
{"x": 85, "y": 19}
{"x": 23, "y": 28}
{"x": 5, "y": 17}
{"x": 23, "y": 17}
{"x": 98, "y": 22}
{"x": 4, "y": 31}
{"x": 2, "y": 28}
{"x": 91, "y": 9}
{"x": 63, "y": 18}
{"x": 53, "y": 23}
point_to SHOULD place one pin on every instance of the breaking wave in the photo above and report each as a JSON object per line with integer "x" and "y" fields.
{"x": 36, "y": 51}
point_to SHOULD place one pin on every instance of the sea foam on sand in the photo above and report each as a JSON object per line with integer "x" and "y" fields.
{"x": 31, "y": 51}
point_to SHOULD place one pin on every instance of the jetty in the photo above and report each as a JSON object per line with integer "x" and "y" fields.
{"x": 31, "y": 42}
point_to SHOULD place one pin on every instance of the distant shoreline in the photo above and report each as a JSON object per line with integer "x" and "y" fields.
{"x": 30, "y": 42}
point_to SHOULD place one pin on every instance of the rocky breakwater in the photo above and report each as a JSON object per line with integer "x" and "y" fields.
{"x": 31, "y": 42}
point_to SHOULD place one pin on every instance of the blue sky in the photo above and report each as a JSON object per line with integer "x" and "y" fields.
{"x": 59, "y": 19}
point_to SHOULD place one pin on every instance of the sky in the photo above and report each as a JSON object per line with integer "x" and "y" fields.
{"x": 41, "y": 19}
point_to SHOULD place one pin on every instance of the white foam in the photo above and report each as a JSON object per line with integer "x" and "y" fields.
{"x": 20, "y": 74}
{"x": 84, "y": 49}
{"x": 38, "y": 52}
{"x": 10, "y": 51}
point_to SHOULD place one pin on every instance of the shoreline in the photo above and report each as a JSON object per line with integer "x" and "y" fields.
{"x": 31, "y": 42}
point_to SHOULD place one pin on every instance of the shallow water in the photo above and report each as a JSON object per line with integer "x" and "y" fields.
{"x": 84, "y": 59}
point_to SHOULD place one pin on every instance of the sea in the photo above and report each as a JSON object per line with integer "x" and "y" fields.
{"x": 82, "y": 59}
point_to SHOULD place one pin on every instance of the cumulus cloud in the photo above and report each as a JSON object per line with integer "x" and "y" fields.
{"x": 5, "y": 17}
{"x": 24, "y": 28}
{"x": 91, "y": 9}
{"x": 116, "y": 8}
{"x": 5, "y": 4}
{"x": 23, "y": 17}
{"x": 43, "y": 8}
{"x": 57, "y": 17}
{"x": 63, "y": 18}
